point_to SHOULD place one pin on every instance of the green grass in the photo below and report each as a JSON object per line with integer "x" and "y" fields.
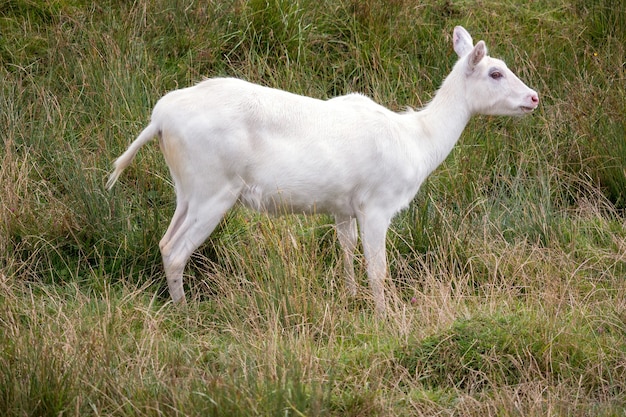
{"x": 509, "y": 265}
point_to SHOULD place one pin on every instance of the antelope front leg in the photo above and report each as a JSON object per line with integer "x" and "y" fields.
{"x": 347, "y": 235}
{"x": 373, "y": 235}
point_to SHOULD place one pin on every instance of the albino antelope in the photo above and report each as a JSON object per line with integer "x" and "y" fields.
{"x": 227, "y": 141}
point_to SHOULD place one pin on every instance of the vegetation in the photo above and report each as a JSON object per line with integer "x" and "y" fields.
{"x": 509, "y": 266}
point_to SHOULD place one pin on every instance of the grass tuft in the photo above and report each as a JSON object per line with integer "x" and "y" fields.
{"x": 486, "y": 352}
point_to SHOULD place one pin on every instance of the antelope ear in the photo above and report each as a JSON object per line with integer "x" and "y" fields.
{"x": 477, "y": 54}
{"x": 462, "y": 41}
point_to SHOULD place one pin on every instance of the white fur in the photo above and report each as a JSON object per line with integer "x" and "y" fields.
{"x": 227, "y": 141}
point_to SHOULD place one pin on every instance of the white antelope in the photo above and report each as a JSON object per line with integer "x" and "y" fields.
{"x": 227, "y": 141}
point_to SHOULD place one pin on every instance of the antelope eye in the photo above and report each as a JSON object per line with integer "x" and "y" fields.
{"x": 496, "y": 75}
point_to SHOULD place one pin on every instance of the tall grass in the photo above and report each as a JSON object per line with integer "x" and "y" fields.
{"x": 509, "y": 266}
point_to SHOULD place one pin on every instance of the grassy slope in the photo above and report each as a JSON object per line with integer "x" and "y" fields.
{"x": 510, "y": 265}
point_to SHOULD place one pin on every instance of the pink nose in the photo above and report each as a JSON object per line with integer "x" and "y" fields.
{"x": 534, "y": 98}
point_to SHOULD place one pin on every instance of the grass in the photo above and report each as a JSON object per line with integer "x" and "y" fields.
{"x": 509, "y": 264}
